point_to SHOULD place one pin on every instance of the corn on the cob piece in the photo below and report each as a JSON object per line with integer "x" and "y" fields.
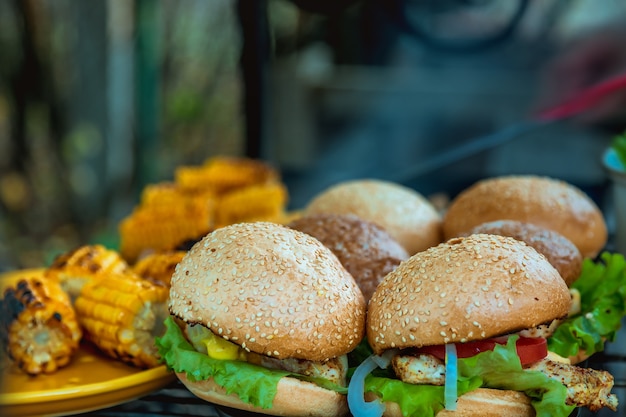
{"x": 76, "y": 267}
{"x": 160, "y": 193}
{"x": 161, "y": 228}
{"x": 256, "y": 202}
{"x": 223, "y": 174}
{"x": 122, "y": 315}
{"x": 39, "y": 327}
{"x": 159, "y": 266}
{"x": 168, "y": 193}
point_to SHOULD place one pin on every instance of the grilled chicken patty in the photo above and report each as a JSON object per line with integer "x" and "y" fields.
{"x": 585, "y": 387}
{"x": 334, "y": 370}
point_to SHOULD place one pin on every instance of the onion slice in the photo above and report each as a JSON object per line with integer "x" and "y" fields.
{"x": 450, "y": 388}
{"x": 356, "y": 389}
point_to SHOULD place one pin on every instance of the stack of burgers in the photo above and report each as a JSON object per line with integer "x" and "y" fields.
{"x": 374, "y": 303}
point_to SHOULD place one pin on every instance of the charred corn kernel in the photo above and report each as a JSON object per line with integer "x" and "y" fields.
{"x": 223, "y": 174}
{"x": 159, "y": 266}
{"x": 39, "y": 327}
{"x": 122, "y": 315}
{"x": 76, "y": 267}
{"x": 216, "y": 347}
{"x": 256, "y": 202}
{"x": 161, "y": 228}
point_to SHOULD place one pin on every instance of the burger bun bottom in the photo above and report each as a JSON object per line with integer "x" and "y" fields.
{"x": 482, "y": 402}
{"x": 293, "y": 398}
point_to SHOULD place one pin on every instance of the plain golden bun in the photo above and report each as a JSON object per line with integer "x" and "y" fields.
{"x": 293, "y": 398}
{"x": 271, "y": 289}
{"x": 482, "y": 402}
{"x": 403, "y": 212}
{"x": 469, "y": 288}
{"x": 547, "y": 202}
{"x": 560, "y": 251}
{"x": 365, "y": 249}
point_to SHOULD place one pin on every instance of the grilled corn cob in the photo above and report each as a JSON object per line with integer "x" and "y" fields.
{"x": 168, "y": 193}
{"x": 159, "y": 266}
{"x": 122, "y": 315}
{"x": 39, "y": 329}
{"x": 164, "y": 227}
{"x": 256, "y": 202}
{"x": 76, "y": 267}
{"x": 223, "y": 174}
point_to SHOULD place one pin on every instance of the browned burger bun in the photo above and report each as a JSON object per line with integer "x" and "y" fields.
{"x": 283, "y": 300}
{"x": 467, "y": 293}
{"x": 546, "y": 202}
{"x": 474, "y": 288}
{"x": 560, "y": 251}
{"x": 364, "y": 248}
{"x": 293, "y": 398}
{"x": 403, "y": 212}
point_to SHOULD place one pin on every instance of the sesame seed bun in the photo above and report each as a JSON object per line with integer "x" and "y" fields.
{"x": 560, "y": 251}
{"x": 365, "y": 249}
{"x": 469, "y": 288}
{"x": 403, "y": 212}
{"x": 272, "y": 290}
{"x": 482, "y": 402}
{"x": 293, "y": 398}
{"x": 543, "y": 201}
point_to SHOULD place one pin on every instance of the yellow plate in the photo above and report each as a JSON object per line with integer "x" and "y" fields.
{"x": 92, "y": 381}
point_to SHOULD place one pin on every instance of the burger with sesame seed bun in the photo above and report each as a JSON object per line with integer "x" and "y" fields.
{"x": 262, "y": 319}
{"x": 453, "y": 332}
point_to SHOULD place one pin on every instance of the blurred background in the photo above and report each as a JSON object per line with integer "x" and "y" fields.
{"x": 100, "y": 98}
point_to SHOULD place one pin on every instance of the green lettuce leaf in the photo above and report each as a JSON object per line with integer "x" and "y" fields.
{"x": 502, "y": 369}
{"x": 251, "y": 383}
{"x": 415, "y": 400}
{"x": 602, "y": 287}
{"x": 619, "y": 146}
{"x": 499, "y": 368}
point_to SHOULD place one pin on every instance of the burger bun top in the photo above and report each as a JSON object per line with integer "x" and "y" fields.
{"x": 468, "y": 288}
{"x": 271, "y": 289}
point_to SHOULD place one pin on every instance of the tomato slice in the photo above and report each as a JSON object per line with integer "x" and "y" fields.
{"x": 529, "y": 349}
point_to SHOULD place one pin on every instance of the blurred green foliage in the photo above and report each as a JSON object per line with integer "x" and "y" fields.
{"x": 64, "y": 179}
